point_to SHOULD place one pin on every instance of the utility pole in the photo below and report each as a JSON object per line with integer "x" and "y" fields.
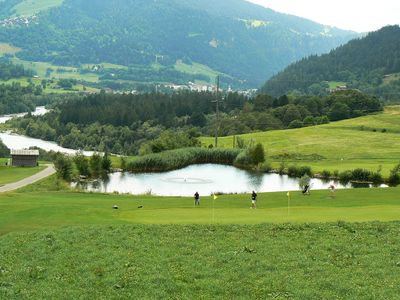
{"x": 217, "y": 113}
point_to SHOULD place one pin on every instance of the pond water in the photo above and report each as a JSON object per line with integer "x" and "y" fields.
{"x": 205, "y": 179}
{"x": 16, "y": 141}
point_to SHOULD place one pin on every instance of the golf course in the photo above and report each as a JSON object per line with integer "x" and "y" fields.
{"x": 306, "y": 247}
{"x": 324, "y": 245}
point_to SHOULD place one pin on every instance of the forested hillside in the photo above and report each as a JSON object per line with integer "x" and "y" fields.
{"x": 131, "y": 124}
{"x": 370, "y": 64}
{"x": 243, "y": 42}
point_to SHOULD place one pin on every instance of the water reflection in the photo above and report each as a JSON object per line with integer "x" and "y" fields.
{"x": 206, "y": 179}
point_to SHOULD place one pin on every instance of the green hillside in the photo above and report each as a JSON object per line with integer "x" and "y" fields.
{"x": 369, "y": 64}
{"x": 243, "y": 42}
{"x": 366, "y": 142}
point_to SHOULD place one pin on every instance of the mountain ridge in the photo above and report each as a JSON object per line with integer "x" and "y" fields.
{"x": 246, "y": 41}
{"x": 366, "y": 63}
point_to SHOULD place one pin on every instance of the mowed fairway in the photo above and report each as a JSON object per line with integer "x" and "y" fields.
{"x": 35, "y": 210}
{"x": 366, "y": 142}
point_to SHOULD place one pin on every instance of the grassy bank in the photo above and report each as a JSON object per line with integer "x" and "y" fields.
{"x": 12, "y": 174}
{"x": 313, "y": 261}
{"x": 368, "y": 142}
{"x": 33, "y": 208}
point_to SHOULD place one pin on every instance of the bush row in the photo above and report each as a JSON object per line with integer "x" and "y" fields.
{"x": 180, "y": 158}
{"x": 360, "y": 175}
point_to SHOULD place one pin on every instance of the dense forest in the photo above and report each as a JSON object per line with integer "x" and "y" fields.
{"x": 367, "y": 64}
{"x": 9, "y": 70}
{"x": 132, "y": 124}
{"x": 247, "y": 42}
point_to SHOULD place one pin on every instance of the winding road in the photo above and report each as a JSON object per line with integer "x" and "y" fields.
{"x": 29, "y": 180}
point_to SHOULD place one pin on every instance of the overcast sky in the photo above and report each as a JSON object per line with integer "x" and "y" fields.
{"x": 357, "y": 15}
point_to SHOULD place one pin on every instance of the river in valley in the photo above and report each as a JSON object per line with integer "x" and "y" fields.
{"x": 16, "y": 141}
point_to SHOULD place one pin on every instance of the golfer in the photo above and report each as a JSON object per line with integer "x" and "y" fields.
{"x": 253, "y": 199}
{"x": 333, "y": 189}
{"x": 196, "y": 199}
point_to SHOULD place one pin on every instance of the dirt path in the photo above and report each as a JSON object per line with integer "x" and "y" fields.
{"x": 29, "y": 180}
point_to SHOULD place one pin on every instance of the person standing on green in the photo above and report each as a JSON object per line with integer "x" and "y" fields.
{"x": 196, "y": 199}
{"x": 253, "y": 199}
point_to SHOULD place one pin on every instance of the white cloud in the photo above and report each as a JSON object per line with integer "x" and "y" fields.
{"x": 357, "y": 15}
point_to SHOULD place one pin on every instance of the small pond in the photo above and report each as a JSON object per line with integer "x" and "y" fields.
{"x": 206, "y": 179}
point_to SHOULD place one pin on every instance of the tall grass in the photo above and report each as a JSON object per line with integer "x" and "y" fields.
{"x": 285, "y": 261}
{"x": 180, "y": 158}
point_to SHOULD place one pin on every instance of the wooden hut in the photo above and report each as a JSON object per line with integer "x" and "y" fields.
{"x": 24, "y": 158}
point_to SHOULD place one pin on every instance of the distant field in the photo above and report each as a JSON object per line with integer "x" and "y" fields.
{"x": 367, "y": 142}
{"x": 392, "y": 77}
{"x": 196, "y": 68}
{"x": 8, "y": 49}
{"x": 335, "y": 84}
{"x": 69, "y": 72}
{"x": 51, "y": 87}
{"x": 32, "y": 7}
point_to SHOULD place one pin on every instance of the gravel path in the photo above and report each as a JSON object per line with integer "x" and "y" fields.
{"x": 29, "y": 180}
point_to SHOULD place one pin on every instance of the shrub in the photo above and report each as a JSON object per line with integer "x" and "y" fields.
{"x": 180, "y": 158}
{"x": 345, "y": 177}
{"x": 326, "y": 174}
{"x": 394, "y": 179}
{"x": 106, "y": 163}
{"x": 296, "y": 124}
{"x": 257, "y": 154}
{"x": 95, "y": 164}
{"x": 336, "y": 173}
{"x": 82, "y": 164}
{"x": 376, "y": 178}
{"x": 63, "y": 165}
{"x": 360, "y": 175}
{"x": 304, "y": 180}
{"x": 294, "y": 171}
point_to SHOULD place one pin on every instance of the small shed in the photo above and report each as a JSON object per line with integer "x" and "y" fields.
{"x": 24, "y": 158}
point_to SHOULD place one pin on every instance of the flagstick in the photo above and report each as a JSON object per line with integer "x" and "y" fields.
{"x": 288, "y": 205}
{"x": 213, "y": 210}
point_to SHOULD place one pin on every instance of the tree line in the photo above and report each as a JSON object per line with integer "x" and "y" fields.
{"x": 148, "y": 123}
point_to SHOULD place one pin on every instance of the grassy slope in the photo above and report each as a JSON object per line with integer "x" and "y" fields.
{"x": 346, "y": 144}
{"x": 32, "y": 7}
{"x": 8, "y": 49}
{"x": 318, "y": 261}
{"x": 12, "y": 174}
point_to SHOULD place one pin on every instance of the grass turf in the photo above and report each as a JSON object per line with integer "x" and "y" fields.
{"x": 12, "y": 174}
{"x": 367, "y": 142}
{"x": 32, "y": 208}
{"x": 309, "y": 261}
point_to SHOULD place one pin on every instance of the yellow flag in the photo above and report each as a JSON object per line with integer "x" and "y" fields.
{"x": 288, "y": 194}
{"x": 215, "y": 197}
